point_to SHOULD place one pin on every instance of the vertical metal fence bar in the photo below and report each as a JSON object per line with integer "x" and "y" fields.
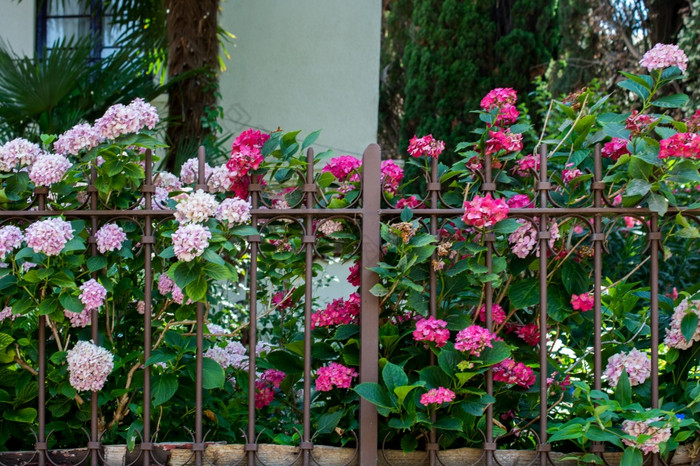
{"x": 433, "y": 191}
{"x": 543, "y": 236}
{"x": 308, "y": 241}
{"x": 40, "y": 446}
{"x": 488, "y": 186}
{"x": 198, "y": 447}
{"x": 369, "y": 316}
{"x": 655, "y": 240}
{"x": 147, "y": 240}
{"x": 93, "y": 444}
{"x": 254, "y": 240}
{"x": 598, "y": 238}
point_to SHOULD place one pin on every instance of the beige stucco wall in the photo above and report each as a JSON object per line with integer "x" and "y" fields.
{"x": 17, "y": 25}
{"x": 304, "y": 65}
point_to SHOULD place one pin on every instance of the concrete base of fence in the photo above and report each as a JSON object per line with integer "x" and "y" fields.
{"x": 216, "y": 454}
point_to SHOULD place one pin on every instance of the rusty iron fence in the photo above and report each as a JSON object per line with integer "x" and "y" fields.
{"x": 370, "y": 211}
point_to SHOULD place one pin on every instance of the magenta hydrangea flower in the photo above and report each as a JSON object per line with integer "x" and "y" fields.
{"x": 498, "y": 97}
{"x": 78, "y": 138}
{"x": 411, "y": 202}
{"x": 89, "y": 366}
{"x": 432, "y": 329}
{"x": 529, "y": 333}
{"x": 234, "y": 211}
{"x": 681, "y": 145}
{"x": 582, "y": 302}
{"x": 664, "y": 55}
{"x": 126, "y": 119}
{"x": 639, "y": 123}
{"x": 264, "y": 394}
{"x": 614, "y": 149}
{"x": 49, "y": 236}
{"x": 437, "y": 396}
{"x": 425, "y": 146}
{"x": 503, "y": 141}
{"x": 338, "y": 312}
{"x": 498, "y": 315}
{"x": 674, "y": 337}
{"x": 190, "y": 241}
{"x": 189, "y": 172}
{"x": 196, "y": 208}
{"x": 92, "y": 294}
{"x": 48, "y": 169}
{"x": 344, "y": 168}
{"x": 109, "y": 238}
{"x": 391, "y": 176}
{"x": 18, "y": 152}
{"x": 334, "y": 375}
{"x": 11, "y": 237}
{"x": 474, "y": 339}
{"x": 569, "y": 173}
{"x": 527, "y": 166}
{"x": 274, "y": 377}
{"x": 484, "y": 212}
{"x": 654, "y": 436}
{"x": 354, "y": 277}
{"x": 510, "y": 372}
{"x": 636, "y": 363}
{"x": 246, "y": 153}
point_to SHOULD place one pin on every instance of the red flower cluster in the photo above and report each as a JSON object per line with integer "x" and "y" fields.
{"x": 427, "y": 145}
{"x": 510, "y": 372}
{"x": 615, "y": 149}
{"x": 682, "y": 145}
{"x": 484, "y": 212}
{"x": 503, "y": 141}
{"x": 340, "y": 311}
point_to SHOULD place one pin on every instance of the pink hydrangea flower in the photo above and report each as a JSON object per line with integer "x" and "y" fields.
{"x": 190, "y": 241}
{"x": 126, "y": 119}
{"x": 274, "y": 377}
{"x": 507, "y": 115}
{"x": 437, "y": 396}
{"x": 338, "y": 312}
{"x": 498, "y": 315}
{"x": 474, "y": 339}
{"x": 264, "y": 394}
{"x": 527, "y": 166}
{"x": 48, "y": 169}
{"x": 510, "y": 372}
{"x": 189, "y": 172}
{"x": 529, "y": 333}
{"x": 165, "y": 284}
{"x": 196, "y": 208}
{"x": 615, "y": 149}
{"x": 110, "y": 238}
{"x": 7, "y": 313}
{"x": 328, "y": 227}
{"x": 693, "y": 122}
{"x": 49, "y": 236}
{"x": 391, "y": 176}
{"x": 89, "y": 366}
{"x": 92, "y": 294}
{"x": 582, "y": 302}
{"x": 411, "y": 202}
{"x": 639, "y": 123}
{"x": 674, "y": 337}
{"x": 432, "y": 329}
{"x": 344, "y": 168}
{"x": 220, "y": 355}
{"x": 425, "y": 146}
{"x": 246, "y": 153}
{"x": 654, "y": 435}
{"x": 18, "y": 151}
{"x": 524, "y": 240}
{"x": 11, "y": 237}
{"x": 664, "y": 55}
{"x": 239, "y": 186}
{"x": 234, "y": 211}
{"x": 281, "y": 302}
{"x": 168, "y": 181}
{"x": 220, "y": 180}
{"x": 636, "y": 363}
{"x": 681, "y": 145}
{"x": 503, "y": 141}
{"x": 498, "y": 97}
{"x": 334, "y": 375}
{"x": 79, "y": 319}
{"x": 569, "y": 174}
{"x": 78, "y": 138}
{"x": 484, "y": 212}
{"x": 519, "y": 201}
{"x": 354, "y": 276}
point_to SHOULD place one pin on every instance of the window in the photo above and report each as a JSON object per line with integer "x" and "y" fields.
{"x": 63, "y": 19}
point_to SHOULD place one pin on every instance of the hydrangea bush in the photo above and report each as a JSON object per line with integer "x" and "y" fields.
{"x": 432, "y": 365}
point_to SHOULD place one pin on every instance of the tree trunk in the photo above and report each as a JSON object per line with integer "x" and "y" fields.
{"x": 192, "y": 45}
{"x": 665, "y": 20}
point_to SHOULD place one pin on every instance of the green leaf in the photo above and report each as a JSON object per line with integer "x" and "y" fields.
{"x": 402, "y": 391}
{"x": 448, "y": 423}
{"x": 159, "y": 356}
{"x": 210, "y": 256}
{"x": 632, "y": 457}
{"x": 393, "y": 376}
{"x": 218, "y": 272}
{"x": 244, "y": 230}
{"x": 595, "y": 434}
{"x": 402, "y": 423}
{"x": 96, "y": 263}
{"x": 671, "y": 101}
{"x": 574, "y": 277}
{"x": 570, "y": 430}
{"x": 379, "y": 290}
{"x": 71, "y": 303}
{"x": 623, "y": 390}
{"x": 637, "y": 187}
{"x": 5, "y": 341}
{"x": 507, "y": 226}
{"x": 62, "y": 280}
{"x": 435, "y": 377}
{"x": 658, "y": 203}
{"x": 645, "y": 80}
{"x": 344, "y": 332}
{"x": 213, "y": 375}
{"x": 310, "y": 139}
{"x": 524, "y": 293}
{"x": 184, "y": 273}
{"x": 48, "y": 306}
{"x": 167, "y": 253}
{"x": 448, "y": 360}
{"x": 406, "y": 214}
{"x": 285, "y": 361}
{"x": 375, "y": 394}
{"x": 409, "y": 442}
{"x": 634, "y": 87}
{"x": 328, "y": 422}
{"x": 25, "y": 415}
{"x": 163, "y": 387}
{"x": 689, "y": 325}
{"x": 498, "y": 353}
{"x": 59, "y": 357}
{"x": 197, "y": 290}
{"x": 76, "y": 244}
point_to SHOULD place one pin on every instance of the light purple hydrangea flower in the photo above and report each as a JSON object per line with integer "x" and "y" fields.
{"x": 674, "y": 337}
{"x": 78, "y": 138}
{"x": 48, "y": 169}
{"x": 18, "y": 151}
{"x": 190, "y": 171}
{"x": 10, "y": 238}
{"x": 636, "y": 363}
{"x": 190, "y": 241}
{"x": 219, "y": 181}
{"x": 664, "y": 55}
{"x": 196, "y": 208}
{"x": 168, "y": 181}
{"x": 49, "y": 236}
{"x": 126, "y": 119}
{"x": 93, "y": 294}
{"x": 6, "y": 313}
{"x": 89, "y": 366}
{"x": 234, "y": 211}
{"x": 79, "y": 319}
{"x": 165, "y": 284}
{"x": 110, "y": 238}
